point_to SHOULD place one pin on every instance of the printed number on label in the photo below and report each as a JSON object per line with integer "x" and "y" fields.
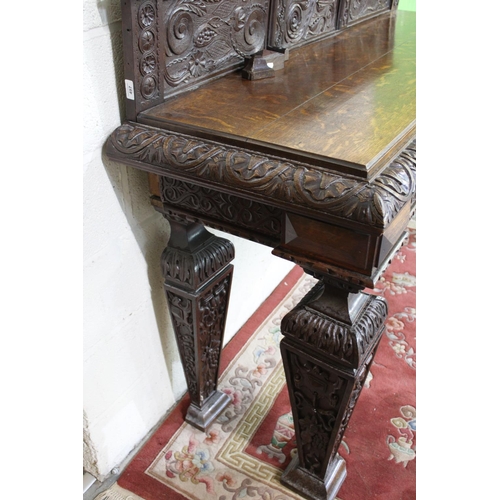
{"x": 129, "y": 89}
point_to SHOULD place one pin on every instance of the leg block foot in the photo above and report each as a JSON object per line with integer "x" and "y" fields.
{"x": 310, "y": 486}
{"x": 202, "y": 418}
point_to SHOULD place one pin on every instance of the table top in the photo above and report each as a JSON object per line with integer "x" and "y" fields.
{"x": 346, "y": 103}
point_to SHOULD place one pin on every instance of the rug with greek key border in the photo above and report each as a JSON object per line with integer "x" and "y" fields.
{"x": 246, "y": 450}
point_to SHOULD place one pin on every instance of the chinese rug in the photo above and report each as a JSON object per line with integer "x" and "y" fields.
{"x": 244, "y": 453}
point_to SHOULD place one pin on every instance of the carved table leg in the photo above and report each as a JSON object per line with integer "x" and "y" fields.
{"x": 329, "y": 343}
{"x": 197, "y": 283}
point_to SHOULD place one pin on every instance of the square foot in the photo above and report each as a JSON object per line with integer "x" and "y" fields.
{"x": 310, "y": 486}
{"x": 202, "y": 418}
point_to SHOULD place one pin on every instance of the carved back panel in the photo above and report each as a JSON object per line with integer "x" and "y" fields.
{"x": 353, "y": 11}
{"x": 174, "y": 45}
{"x": 171, "y": 46}
{"x": 294, "y": 22}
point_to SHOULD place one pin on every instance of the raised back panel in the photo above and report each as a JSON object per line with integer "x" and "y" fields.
{"x": 207, "y": 37}
{"x": 297, "y": 22}
{"x": 293, "y": 23}
{"x": 173, "y": 45}
{"x": 353, "y": 11}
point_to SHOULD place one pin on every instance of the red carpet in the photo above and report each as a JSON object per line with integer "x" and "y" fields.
{"x": 246, "y": 450}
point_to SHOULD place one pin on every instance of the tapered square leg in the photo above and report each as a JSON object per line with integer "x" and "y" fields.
{"x": 329, "y": 343}
{"x": 197, "y": 284}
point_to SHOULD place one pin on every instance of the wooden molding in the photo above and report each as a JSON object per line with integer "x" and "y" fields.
{"x": 277, "y": 181}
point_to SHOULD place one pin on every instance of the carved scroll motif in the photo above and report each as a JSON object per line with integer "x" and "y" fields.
{"x": 297, "y": 21}
{"x": 355, "y": 10}
{"x": 204, "y": 37}
{"x": 269, "y": 178}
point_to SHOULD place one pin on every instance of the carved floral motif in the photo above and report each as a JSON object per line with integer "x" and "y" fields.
{"x": 204, "y": 36}
{"x": 297, "y": 21}
{"x": 212, "y": 308}
{"x": 374, "y": 202}
{"x": 326, "y": 364}
{"x": 317, "y": 396}
{"x": 181, "y": 311}
{"x": 198, "y": 296}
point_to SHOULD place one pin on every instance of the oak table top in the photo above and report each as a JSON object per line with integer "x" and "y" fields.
{"x": 347, "y": 103}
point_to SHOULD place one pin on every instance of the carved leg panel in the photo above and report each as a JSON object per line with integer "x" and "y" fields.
{"x": 198, "y": 283}
{"x": 329, "y": 342}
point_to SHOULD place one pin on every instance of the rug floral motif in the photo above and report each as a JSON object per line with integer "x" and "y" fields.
{"x": 246, "y": 450}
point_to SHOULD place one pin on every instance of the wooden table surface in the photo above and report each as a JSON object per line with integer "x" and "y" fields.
{"x": 346, "y": 103}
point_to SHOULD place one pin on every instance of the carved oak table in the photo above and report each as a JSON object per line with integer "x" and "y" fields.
{"x": 317, "y": 162}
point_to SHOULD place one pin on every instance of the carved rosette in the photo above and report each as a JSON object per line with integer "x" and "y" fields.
{"x": 148, "y": 61}
{"x": 375, "y": 202}
{"x": 204, "y": 37}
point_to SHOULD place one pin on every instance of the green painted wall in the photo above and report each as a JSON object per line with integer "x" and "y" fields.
{"x": 408, "y": 5}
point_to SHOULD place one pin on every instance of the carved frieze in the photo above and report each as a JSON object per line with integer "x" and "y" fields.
{"x": 221, "y": 206}
{"x": 297, "y": 21}
{"x": 375, "y": 202}
{"x": 204, "y": 37}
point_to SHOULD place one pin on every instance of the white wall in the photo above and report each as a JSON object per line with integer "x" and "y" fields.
{"x": 132, "y": 372}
